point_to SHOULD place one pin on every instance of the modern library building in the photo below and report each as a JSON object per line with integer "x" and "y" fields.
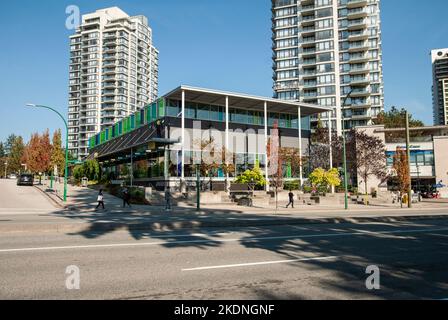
{"x": 165, "y": 140}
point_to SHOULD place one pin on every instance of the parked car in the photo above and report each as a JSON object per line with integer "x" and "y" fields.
{"x": 25, "y": 180}
{"x": 12, "y": 176}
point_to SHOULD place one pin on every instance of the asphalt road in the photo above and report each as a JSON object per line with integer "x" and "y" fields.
{"x": 326, "y": 261}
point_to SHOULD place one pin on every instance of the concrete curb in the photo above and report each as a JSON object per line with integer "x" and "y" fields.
{"x": 51, "y": 197}
{"x": 85, "y": 227}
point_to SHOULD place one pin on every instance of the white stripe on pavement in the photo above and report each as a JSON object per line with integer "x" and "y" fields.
{"x": 259, "y": 263}
{"x": 116, "y": 245}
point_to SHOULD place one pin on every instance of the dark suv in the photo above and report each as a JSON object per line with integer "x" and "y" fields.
{"x": 25, "y": 180}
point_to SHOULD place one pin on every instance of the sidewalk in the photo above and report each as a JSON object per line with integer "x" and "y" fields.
{"x": 85, "y": 200}
{"x": 78, "y": 216}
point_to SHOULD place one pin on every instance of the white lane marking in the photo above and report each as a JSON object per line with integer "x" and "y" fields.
{"x": 251, "y": 264}
{"x": 221, "y": 240}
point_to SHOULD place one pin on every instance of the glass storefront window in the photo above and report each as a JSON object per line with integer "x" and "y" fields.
{"x": 421, "y": 159}
{"x": 190, "y": 110}
{"x": 161, "y": 108}
{"x": 203, "y": 112}
{"x": 273, "y": 119}
{"x": 429, "y": 158}
{"x": 239, "y": 116}
{"x": 283, "y": 121}
{"x": 148, "y": 114}
{"x": 216, "y": 114}
{"x": 172, "y": 108}
{"x": 132, "y": 119}
{"x": 153, "y": 111}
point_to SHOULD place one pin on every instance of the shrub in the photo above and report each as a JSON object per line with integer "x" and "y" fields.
{"x": 292, "y": 185}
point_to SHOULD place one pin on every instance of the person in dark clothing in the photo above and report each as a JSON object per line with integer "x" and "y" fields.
{"x": 100, "y": 200}
{"x": 126, "y": 197}
{"x": 291, "y": 199}
{"x": 167, "y": 199}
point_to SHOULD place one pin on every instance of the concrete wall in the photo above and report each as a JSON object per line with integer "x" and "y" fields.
{"x": 441, "y": 161}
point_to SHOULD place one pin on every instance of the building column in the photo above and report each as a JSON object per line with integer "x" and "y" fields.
{"x": 266, "y": 144}
{"x": 166, "y": 160}
{"x": 330, "y": 140}
{"x": 227, "y": 141}
{"x": 183, "y": 143}
{"x": 299, "y": 113}
{"x": 132, "y": 167}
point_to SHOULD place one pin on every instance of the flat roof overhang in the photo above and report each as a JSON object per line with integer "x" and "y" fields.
{"x": 145, "y": 134}
{"x": 429, "y": 129}
{"x": 244, "y": 101}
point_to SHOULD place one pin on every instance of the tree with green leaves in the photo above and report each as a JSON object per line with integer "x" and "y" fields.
{"x": 2, "y": 150}
{"x": 322, "y": 179}
{"x": 57, "y": 153}
{"x": 16, "y": 152}
{"x": 90, "y": 169}
{"x": 9, "y": 143}
{"x": 395, "y": 118}
{"x": 253, "y": 178}
{"x": 2, "y": 159}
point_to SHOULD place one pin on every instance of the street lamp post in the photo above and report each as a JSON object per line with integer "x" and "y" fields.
{"x": 66, "y": 144}
{"x": 345, "y": 152}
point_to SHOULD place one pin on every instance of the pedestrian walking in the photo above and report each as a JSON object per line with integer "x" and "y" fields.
{"x": 126, "y": 198}
{"x": 291, "y": 199}
{"x": 100, "y": 200}
{"x": 167, "y": 199}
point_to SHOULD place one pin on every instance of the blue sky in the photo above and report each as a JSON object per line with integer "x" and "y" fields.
{"x": 223, "y": 44}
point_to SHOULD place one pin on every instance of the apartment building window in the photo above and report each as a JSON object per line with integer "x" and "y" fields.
{"x": 327, "y": 90}
{"x": 286, "y": 12}
{"x": 288, "y": 95}
{"x": 375, "y": 76}
{"x": 326, "y": 102}
{"x": 374, "y": 65}
{"x": 287, "y": 74}
{"x": 373, "y": 43}
{"x": 322, "y": 13}
{"x": 324, "y": 68}
{"x": 286, "y": 43}
{"x": 326, "y": 79}
{"x": 324, "y": 24}
{"x": 323, "y": 3}
{"x": 325, "y": 46}
{"x": 287, "y": 63}
{"x": 286, "y": 22}
{"x": 281, "y": 3}
{"x": 326, "y": 34}
{"x": 323, "y": 57}
{"x": 286, "y": 32}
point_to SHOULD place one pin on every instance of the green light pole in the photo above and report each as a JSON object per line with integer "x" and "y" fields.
{"x": 408, "y": 154}
{"x": 344, "y": 150}
{"x": 66, "y": 144}
{"x": 198, "y": 188}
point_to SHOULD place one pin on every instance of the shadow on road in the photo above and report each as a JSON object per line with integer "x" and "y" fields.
{"x": 401, "y": 277}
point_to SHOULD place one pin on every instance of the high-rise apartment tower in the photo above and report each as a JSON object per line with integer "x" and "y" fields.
{"x": 113, "y": 72}
{"x": 439, "y": 59}
{"x": 325, "y": 49}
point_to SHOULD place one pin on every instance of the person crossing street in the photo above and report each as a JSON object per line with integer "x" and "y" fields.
{"x": 126, "y": 198}
{"x": 291, "y": 199}
{"x": 100, "y": 200}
